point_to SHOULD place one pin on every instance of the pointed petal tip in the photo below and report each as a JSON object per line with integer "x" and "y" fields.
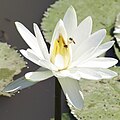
{"x": 112, "y": 74}
{"x": 79, "y": 105}
{"x": 22, "y": 51}
{"x": 38, "y": 75}
{"x": 28, "y": 75}
{"x": 18, "y": 24}
{"x": 112, "y": 42}
{"x": 71, "y": 8}
{"x": 60, "y": 22}
{"x": 103, "y": 31}
{"x": 89, "y": 18}
{"x": 35, "y": 25}
{"x": 116, "y": 61}
{"x": 100, "y": 33}
{"x": 12, "y": 90}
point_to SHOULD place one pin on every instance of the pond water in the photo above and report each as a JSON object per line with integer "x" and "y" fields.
{"x": 36, "y": 102}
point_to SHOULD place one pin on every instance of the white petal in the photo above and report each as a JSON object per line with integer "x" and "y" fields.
{"x": 82, "y": 32}
{"x": 29, "y": 38}
{"x": 101, "y": 62}
{"x": 82, "y": 59}
{"x": 70, "y": 20}
{"x": 106, "y": 73}
{"x": 67, "y": 73}
{"x": 93, "y": 42}
{"x": 103, "y": 48}
{"x": 41, "y": 42}
{"x": 59, "y": 61}
{"x": 72, "y": 90}
{"x": 96, "y": 73}
{"x": 117, "y": 30}
{"x": 59, "y": 29}
{"x": 29, "y": 54}
{"x": 90, "y": 74}
{"x": 34, "y": 59}
{"x": 90, "y": 54}
{"x": 38, "y": 76}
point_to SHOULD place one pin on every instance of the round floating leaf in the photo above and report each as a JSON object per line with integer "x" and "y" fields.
{"x": 102, "y": 99}
{"x": 10, "y": 64}
{"x": 103, "y": 13}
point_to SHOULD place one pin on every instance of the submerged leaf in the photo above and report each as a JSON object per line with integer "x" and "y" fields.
{"x": 10, "y": 64}
{"x": 103, "y": 13}
{"x": 102, "y": 99}
{"x": 18, "y": 84}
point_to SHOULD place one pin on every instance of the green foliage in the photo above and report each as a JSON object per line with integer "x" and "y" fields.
{"x": 10, "y": 64}
{"x": 103, "y": 13}
{"x": 102, "y": 99}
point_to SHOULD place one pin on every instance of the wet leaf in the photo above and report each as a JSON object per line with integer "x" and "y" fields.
{"x": 10, "y": 64}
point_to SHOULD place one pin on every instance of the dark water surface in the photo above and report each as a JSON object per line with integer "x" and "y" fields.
{"x": 36, "y": 102}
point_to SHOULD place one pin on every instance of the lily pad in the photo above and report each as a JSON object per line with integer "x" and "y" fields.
{"x": 103, "y": 13}
{"x": 102, "y": 99}
{"x": 10, "y": 64}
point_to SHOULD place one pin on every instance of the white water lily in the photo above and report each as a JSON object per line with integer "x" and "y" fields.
{"x": 73, "y": 55}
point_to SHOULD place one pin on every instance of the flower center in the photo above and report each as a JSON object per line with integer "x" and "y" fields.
{"x": 61, "y": 53}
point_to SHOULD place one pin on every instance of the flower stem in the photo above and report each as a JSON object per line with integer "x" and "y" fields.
{"x": 57, "y": 100}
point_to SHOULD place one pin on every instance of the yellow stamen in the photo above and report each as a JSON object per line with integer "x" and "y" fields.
{"x": 60, "y": 48}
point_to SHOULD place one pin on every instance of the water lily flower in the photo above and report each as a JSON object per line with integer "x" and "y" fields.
{"x": 74, "y": 54}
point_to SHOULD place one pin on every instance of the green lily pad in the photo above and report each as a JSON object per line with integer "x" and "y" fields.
{"x": 103, "y": 13}
{"x": 102, "y": 99}
{"x": 10, "y": 64}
